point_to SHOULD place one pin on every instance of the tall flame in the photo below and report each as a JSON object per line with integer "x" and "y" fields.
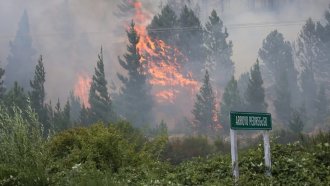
{"x": 81, "y": 88}
{"x": 164, "y": 62}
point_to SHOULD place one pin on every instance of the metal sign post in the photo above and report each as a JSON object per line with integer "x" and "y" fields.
{"x": 249, "y": 121}
{"x": 234, "y": 154}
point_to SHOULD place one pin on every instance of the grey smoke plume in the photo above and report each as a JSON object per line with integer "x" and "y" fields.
{"x": 69, "y": 33}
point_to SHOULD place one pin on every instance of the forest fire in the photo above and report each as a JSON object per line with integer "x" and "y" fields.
{"x": 81, "y": 88}
{"x": 163, "y": 62}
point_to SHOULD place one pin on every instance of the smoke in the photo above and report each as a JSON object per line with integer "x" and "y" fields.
{"x": 69, "y": 33}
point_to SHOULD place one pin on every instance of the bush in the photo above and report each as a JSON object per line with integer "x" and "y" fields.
{"x": 181, "y": 149}
{"x": 23, "y": 157}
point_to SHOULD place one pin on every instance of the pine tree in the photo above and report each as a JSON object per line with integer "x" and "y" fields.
{"x": 21, "y": 59}
{"x": 231, "y": 101}
{"x": 255, "y": 93}
{"x": 99, "y": 99}
{"x": 16, "y": 97}
{"x": 310, "y": 54}
{"x": 276, "y": 55}
{"x": 218, "y": 50}
{"x": 190, "y": 42}
{"x": 135, "y": 101}
{"x": 75, "y": 107}
{"x": 167, "y": 19}
{"x": 242, "y": 84}
{"x": 84, "y": 118}
{"x": 58, "y": 117}
{"x": 204, "y": 111}
{"x": 37, "y": 93}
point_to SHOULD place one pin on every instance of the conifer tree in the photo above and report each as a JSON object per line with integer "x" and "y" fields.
{"x": 62, "y": 117}
{"x": 242, "y": 84}
{"x": 75, "y": 107}
{"x": 277, "y": 57}
{"x": 135, "y": 101}
{"x": 99, "y": 98}
{"x": 190, "y": 42}
{"x": 21, "y": 59}
{"x": 310, "y": 55}
{"x": 204, "y": 111}
{"x": 231, "y": 101}
{"x": 167, "y": 20}
{"x": 58, "y": 116}
{"x": 218, "y": 50}
{"x": 84, "y": 118}
{"x": 255, "y": 93}
{"x": 37, "y": 93}
{"x": 16, "y": 97}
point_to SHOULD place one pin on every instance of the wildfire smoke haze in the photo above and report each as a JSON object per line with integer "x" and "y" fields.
{"x": 164, "y": 63}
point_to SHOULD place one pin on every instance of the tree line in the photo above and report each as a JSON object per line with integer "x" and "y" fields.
{"x": 297, "y": 96}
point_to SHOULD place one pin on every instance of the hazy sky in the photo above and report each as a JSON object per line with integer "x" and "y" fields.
{"x": 69, "y": 33}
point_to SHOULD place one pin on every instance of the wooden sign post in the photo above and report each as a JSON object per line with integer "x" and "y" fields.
{"x": 249, "y": 121}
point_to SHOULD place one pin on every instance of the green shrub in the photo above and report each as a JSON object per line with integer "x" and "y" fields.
{"x": 23, "y": 158}
{"x": 181, "y": 149}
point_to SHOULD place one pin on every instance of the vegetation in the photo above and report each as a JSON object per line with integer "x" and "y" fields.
{"x": 118, "y": 154}
{"x": 115, "y": 140}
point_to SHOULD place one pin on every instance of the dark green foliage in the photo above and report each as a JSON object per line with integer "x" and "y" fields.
{"x": 276, "y": 54}
{"x": 296, "y": 123}
{"x": 16, "y": 97}
{"x": 75, "y": 107}
{"x": 23, "y": 158}
{"x": 166, "y": 20}
{"x": 191, "y": 42}
{"x": 231, "y": 101}
{"x": 242, "y": 83}
{"x": 255, "y": 93}
{"x": 219, "y": 50}
{"x": 135, "y": 101}
{"x": 99, "y": 98}
{"x": 280, "y": 73}
{"x": 204, "y": 111}
{"x": 61, "y": 119}
{"x": 182, "y": 149}
{"x": 21, "y": 59}
{"x": 37, "y": 95}
{"x": 85, "y": 116}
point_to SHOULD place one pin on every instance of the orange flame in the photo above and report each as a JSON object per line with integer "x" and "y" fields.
{"x": 163, "y": 62}
{"x": 81, "y": 88}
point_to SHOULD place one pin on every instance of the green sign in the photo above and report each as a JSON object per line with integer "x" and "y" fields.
{"x": 250, "y": 121}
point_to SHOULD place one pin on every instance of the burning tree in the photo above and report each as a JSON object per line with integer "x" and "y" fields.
{"x": 135, "y": 100}
{"x": 205, "y": 113}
